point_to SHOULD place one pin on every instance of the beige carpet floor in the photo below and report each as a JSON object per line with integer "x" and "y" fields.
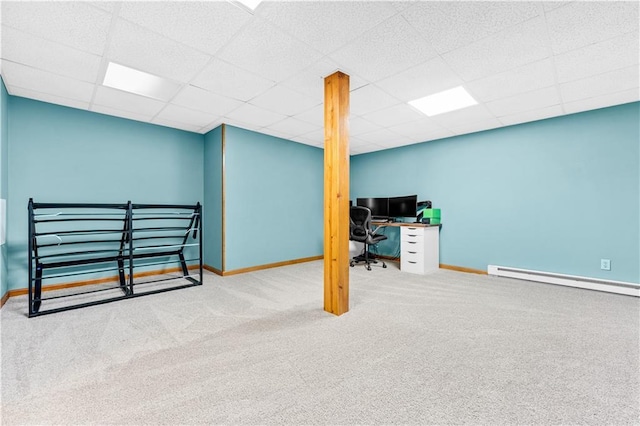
{"x": 257, "y": 348}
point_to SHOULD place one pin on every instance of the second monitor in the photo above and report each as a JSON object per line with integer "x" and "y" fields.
{"x": 403, "y": 206}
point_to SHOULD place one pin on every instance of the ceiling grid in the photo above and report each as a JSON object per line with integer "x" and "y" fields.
{"x": 263, "y": 70}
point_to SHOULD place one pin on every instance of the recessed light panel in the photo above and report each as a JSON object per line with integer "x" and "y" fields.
{"x": 446, "y": 101}
{"x": 139, "y": 82}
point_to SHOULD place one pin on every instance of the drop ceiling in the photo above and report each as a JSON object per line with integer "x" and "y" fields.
{"x": 263, "y": 70}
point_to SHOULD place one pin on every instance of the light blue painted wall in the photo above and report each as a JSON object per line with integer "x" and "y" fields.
{"x": 212, "y": 219}
{"x": 273, "y": 199}
{"x": 555, "y": 195}
{"x": 59, "y": 154}
{"x": 4, "y": 145}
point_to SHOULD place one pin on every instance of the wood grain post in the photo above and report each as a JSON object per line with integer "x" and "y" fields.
{"x": 336, "y": 193}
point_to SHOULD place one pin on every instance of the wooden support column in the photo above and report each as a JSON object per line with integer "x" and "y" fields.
{"x": 336, "y": 193}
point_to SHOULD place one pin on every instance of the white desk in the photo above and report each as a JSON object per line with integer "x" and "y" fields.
{"x": 419, "y": 246}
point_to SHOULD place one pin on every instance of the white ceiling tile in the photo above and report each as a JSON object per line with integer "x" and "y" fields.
{"x": 435, "y": 135}
{"x": 75, "y": 24}
{"x": 536, "y": 99}
{"x": 469, "y": 114}
{"x": 209, "y": 127}
{"x": 392, "y": 116}
{"x": 228, "y": 80}
{"x": 305, "y": 142}
{"x": 315, "y": 136}
{"x": 526, "y": 78}
{"x": 259, "y": 117}
{"x": 370, "y": 98}
{"x": 609, "y": 55}
{"x": 268, "y": 51}
{"x": 120, "y": 113}
{"x": 511, "y": 48}
{"x": 326, "y": 28}
{"x": 451, "y": 25}
{"x": 603, "y": 101}
{"x": 205, "y": 101}
{"x": 310, "y": 81}
{"x": 358, "y": 125}
{"x": 284, "y": 101}
{"x": 44, "y": 97}
{"x": 44, "y": 82}
{"x": 372, "y": 147}
{"x": 37, "y": 52}
{"x": 292, "y": 127}
{"x": 387, "y": 49}
{"x": 425, "y": 79}
{"x": 464, "y": 127}
{"x": 206, "y": 26}
{"x": 356, "y": 143}
{"x": 583, "y": 23}
{"x": 536, "y": 114}
{"x": 186, "y": 116}
{"x": 147, "y": 51}
{"x": 601, "y": 84}
{"x": 419, "y": 128}
{"x": 383, "y": 137}
{"x": 314, "y": 115}
{"x": 117, "y": 99}
{"x": 238, "y": 123}
{"x": 177, "y": 125}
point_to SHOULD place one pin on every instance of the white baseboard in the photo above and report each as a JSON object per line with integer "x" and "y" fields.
{"x": 618, "y": 287}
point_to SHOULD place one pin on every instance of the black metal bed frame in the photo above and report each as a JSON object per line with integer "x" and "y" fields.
{"x": 65, "y": 238}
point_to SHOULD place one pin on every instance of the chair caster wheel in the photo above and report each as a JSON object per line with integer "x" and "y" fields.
{"x": 384, "y": 265}
{"x": 368, "y": 268}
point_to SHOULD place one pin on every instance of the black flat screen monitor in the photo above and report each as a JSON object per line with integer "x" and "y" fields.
{"x": 403, "y": 206}
{"x": 379, "y": 206}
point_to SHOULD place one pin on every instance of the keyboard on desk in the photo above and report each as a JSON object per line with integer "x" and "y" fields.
{"x": 380, "y": 220}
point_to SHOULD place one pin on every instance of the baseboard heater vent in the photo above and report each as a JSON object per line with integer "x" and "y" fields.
{"x": 619, "y": 287}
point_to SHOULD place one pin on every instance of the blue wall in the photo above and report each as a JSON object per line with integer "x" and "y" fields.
{"x": 273, "y": 199}
{"x": 555, "y": 195}
{"x": 4, "y": 150}
{"x": 59, "y": 154}
{"x": 212, "y": 219}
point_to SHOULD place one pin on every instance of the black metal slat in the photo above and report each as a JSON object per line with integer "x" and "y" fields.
{"x": 78, "y": 206}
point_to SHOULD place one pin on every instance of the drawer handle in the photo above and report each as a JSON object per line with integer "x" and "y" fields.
{"x": 411, "y": 242}
{"x": 412, "y": 235}
{"x": 413, "y": 229}
{"x": 412, "y": 252}
{"x": 412, "y": 262}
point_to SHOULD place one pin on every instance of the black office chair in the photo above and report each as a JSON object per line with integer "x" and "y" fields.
{"x": 360, "y": 230}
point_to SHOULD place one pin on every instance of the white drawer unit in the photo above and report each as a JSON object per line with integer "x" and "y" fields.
{"x": 419, "y": 249}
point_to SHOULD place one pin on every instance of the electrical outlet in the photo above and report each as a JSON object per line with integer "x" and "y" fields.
{"x": 605, "y": 264}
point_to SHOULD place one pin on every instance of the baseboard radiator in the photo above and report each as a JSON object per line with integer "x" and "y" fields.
{"x": 619, "y": 287}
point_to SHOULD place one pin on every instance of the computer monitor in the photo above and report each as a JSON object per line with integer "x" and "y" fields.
{"x": 403, "y": 206}
{"x": 379, "y": 206}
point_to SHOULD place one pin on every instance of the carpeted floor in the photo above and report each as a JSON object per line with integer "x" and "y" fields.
{"x": 257, "y": 348}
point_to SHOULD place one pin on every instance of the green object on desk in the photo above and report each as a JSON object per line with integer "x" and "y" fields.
{"x": 432, "y": 214}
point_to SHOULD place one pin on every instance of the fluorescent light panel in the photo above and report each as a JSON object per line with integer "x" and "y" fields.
{"x": 446, "y": 101}
{"x": 139, "y": 82}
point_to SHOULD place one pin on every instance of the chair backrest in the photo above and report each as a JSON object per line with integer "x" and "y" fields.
{"x": 360, "y": 225}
